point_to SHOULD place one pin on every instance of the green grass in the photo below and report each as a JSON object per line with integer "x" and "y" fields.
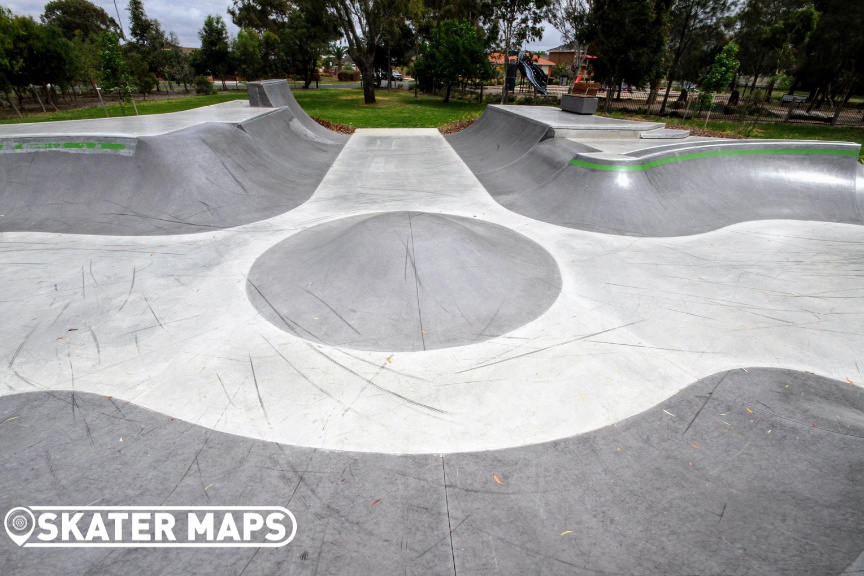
{"x": 769, "y": 130}
{"x": 144, "y": 107}
{"x": 397, "y": 109}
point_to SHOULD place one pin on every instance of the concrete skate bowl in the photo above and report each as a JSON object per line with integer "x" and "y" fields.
{"x": 277, "y": 94}
{"x": 496, "y": 139}
{"x": 673, "y": 190}
{"x": 403, "y": 281}
{"x": 207, "y": 177}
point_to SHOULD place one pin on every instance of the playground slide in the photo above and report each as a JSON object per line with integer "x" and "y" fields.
{"x": 533, "y": 73}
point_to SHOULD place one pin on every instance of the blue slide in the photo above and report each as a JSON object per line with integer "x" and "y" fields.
{"x": 533, "y": 73}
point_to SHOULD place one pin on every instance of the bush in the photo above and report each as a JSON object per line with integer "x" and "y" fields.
{"x": 203, "y": 85}
{"x": 348, "y": 76}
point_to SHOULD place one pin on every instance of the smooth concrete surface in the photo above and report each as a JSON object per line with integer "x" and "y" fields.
{"x": 568, "y": 125}
{"x": 166, "y": 321}
{"x": 205, "y": 177}
{"x": 403, "y": 282}
{"x": 686, "y": 404}
{"x": 691, "y": 186}
{"x": 752, "y": 471}
{"x": 277, "y": 94}
{"x": 233, "y": 112}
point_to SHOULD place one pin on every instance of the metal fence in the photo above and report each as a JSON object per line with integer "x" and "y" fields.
{"x": 747, "y": 109}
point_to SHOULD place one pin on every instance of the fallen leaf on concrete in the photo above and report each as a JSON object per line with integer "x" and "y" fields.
{"x": 750, "y": 411}
{"x": 566, "y": 532}
{"x": 376, "y": 502}
{"x": 696, "y": 446}
{"x": 850, "y": 380}
{"x": 495, "y": 476}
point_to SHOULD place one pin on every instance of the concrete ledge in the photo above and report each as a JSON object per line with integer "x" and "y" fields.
{"x": 664, "y": 133}
{"x": 578, "y": 104}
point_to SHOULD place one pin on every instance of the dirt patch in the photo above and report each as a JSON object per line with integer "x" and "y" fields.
{"x": 458, "y": 126}
{"x": 705, "y": 133}
{"x": 341, "y": 128}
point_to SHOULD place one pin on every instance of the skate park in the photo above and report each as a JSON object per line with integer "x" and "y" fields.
{"x": 549, "y": 343}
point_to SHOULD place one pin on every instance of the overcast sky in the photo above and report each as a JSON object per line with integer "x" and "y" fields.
{"x": 185, "y": 17}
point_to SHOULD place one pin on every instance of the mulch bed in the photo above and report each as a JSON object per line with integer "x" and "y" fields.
{"x": 705, "y": 133}
{"x": 341, "y": 128}
{"x": 453, "y": 127}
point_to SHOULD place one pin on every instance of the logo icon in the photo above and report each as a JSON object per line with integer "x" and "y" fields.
{"x": 150, "y": 526}
{"x": 19, "y": 523}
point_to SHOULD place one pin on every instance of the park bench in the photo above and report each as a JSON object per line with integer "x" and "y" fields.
{"x": 787, "y": 98}
{"x": 585, "y": 88}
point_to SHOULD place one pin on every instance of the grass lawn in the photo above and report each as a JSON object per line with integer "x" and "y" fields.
{"x": 160, "y": 106}
{"x": 770, "y": 130}
{"x": 396, "y": 109}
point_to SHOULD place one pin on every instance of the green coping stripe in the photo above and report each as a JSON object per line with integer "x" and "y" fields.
{"x": 68, "y": 146}
{"x": 710, "y": 154}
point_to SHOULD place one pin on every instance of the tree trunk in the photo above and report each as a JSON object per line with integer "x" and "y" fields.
{"x": 36, "y": 94}
{"x": 608, "y": 102}
{"x": 447, "y": 94}
{"x": 368, "y": 77}
{"x": 506, "y": 64}
{"x": 843, "y": 100}
{"x": 666, "y": 95}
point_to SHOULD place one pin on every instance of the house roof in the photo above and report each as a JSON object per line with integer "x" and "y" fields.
{"x": 498, "y": 58}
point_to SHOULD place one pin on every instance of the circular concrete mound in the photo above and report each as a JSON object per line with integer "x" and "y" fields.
{"x": 403, "y": 281}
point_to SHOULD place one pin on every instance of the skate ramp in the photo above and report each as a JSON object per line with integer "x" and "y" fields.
{"x": 496, "y": 139}
{"x": 403, "y": 281}
{"x": 277, "y": 94}
{"x": 673, "y": 190}
{"x": 205, "y": 177}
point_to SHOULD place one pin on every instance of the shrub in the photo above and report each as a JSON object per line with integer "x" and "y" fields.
{"x": 348, "y": 76}
{"x": 203, "y": 85}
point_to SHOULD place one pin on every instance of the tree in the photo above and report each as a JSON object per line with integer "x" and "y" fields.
{"x": 246, "y": 53}
{"x": 512, "y": 23}
{"x": 177, "y": 67}
{"x": 694, "y": 30}
{"x": 456, "y": 52}
{"x": 36, "y": 55}
{"x": 628, "y": 36}
{"x": 768, "y": 32}
{"x": 571, "y": 19}
{"x": 294, "y": 34}
{"x": 147, "y": 39}
{"x": 77, "y": 18}
{"x": 719, "y": 76}
{"x": 304, "y": 37}
{"x": 834, "y": 64}
{"x": 215, "y": 54}
{"x": 338, "y": 52}
{"x": 113, "y": 71}
{"x": 361, "y": 24}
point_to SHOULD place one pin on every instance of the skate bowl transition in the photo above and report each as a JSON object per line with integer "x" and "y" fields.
{"x": 547, "y": 343}
{"x": 668, "y": 190}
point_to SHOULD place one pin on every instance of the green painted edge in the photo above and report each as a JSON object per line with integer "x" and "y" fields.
{"x": 68, "y": 146}
{"x": 709, "y": 154}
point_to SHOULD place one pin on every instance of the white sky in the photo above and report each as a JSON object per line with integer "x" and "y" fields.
{"x": 185, "y": 17}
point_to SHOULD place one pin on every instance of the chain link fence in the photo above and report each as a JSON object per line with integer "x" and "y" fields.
{"x": 782, "y": 108}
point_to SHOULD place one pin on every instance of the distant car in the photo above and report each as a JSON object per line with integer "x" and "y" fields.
{"x": 394, "y": 75}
